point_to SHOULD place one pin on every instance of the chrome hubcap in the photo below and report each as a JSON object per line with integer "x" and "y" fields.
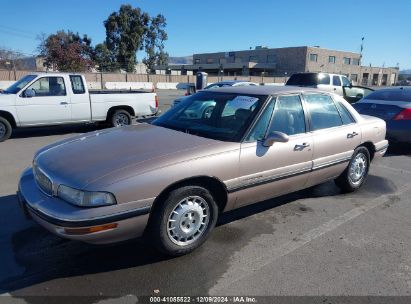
{"x": 188, "y": 220}
{"x": 358, "y": 168}
{"x": 2, "y": 130}
{"x": 121, "y": 120}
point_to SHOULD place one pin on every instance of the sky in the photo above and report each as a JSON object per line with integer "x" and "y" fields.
{"x": 227, "y": 25}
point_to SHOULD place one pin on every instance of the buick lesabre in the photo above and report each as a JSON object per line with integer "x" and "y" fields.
{"x": 169, "y": 180}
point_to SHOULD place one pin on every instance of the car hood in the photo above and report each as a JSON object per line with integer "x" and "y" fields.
{"x": 84, "y": 159}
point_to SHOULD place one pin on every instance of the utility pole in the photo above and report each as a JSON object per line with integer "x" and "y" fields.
{"x": 361, "y": 49}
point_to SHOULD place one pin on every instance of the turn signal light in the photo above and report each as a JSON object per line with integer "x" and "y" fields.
{"x": 88, "y": 230}
{"x": 403, "y": 115}
{"x": 156, "y": 101}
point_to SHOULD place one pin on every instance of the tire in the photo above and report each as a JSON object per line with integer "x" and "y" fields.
{"x": 5, "y": 129}
{"x": 178, "y": 226}
{"x": 120, "y": 118}
{"x": 356, "y": 173}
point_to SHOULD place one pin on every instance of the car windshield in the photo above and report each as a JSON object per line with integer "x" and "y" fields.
{"x": 215, "y": 115}
{"x": 17, "y": 86}
{"x": 391, "y": 94}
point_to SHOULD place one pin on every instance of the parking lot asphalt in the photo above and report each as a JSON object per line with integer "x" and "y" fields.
{"x": 313, "y": 242}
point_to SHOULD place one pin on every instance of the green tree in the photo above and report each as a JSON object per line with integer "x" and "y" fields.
{"x": 154, "y": 43}
{"x": 104, "y": 59}
{"x": 125, "y": 31}
{"x": 128, "y": 31}
{"x": 67, "y": 51}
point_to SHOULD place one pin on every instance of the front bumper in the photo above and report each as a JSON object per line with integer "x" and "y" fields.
{"x": 59, "y": 217}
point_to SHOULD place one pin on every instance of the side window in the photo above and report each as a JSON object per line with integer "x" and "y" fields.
{"x": 345, "y": 114}
{"x": 77, "y": 84}
{"x": 260, "y": 128}
{"x": 49, "y": 86}
{"x": 323, "y": 112}
{"x": 336, "y": 81}
{"x": 323, "y": 78}
{"x": 288, "y": 115}
{"x": 345, "y": 81}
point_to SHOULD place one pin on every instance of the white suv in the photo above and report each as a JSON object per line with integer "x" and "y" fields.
{"x": 324, "y": 81}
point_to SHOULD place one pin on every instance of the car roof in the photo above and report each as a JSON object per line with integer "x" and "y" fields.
{"x": 230, "y": 81}
{"x": 266, "y": 90}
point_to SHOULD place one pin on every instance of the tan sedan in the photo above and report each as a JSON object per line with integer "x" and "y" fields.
{"x": 169, "y": 180}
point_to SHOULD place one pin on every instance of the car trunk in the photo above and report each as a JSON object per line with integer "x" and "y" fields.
{"x": 383, "y": 111}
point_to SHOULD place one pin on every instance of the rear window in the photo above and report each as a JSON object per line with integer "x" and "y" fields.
{"x": 308, "y": 79}
{"x": 391, "y": 94}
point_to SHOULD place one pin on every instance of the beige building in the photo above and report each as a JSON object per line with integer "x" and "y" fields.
{"x": 286, "y": 61}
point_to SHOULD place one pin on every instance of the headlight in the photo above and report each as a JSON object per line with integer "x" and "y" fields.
{"x": 85, "y": 198}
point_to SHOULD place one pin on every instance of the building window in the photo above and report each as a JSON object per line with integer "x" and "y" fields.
{"x": 356, "y": 61}
{"x": 253, "y": 59}
{"x": 313, "y": 57}
{"x": 347, "y": 60}
{"x": 271, "y": 59}
{"x": 210, "y": 60}
{"x": 331, "y": 59}
{"x": 354, "y": 77}
{"x": 197, "y": 61}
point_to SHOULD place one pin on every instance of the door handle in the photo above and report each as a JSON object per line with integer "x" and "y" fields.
{"x": 301, "y": 147}
{"x": 351, "y": 135}
{"x": 64, "y": 103}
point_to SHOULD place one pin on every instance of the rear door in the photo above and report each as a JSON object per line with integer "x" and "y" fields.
{"x": 282, "y": 168}
{"x": 335, "y": 136}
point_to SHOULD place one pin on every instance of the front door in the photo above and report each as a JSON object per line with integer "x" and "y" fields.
{"x": 266, "y": 172}
{"x": 49, "y": 105}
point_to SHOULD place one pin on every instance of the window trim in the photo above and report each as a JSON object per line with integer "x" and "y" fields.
{"x": 274, "y": 98}
{"x": 34, "y": 81}
{"x": 72, "y": 86}
{"x": 332, "y": 62}
{"x": 316, "y": 57}
{"x": 353, "y": 120}
{"x": 310, "y": 126}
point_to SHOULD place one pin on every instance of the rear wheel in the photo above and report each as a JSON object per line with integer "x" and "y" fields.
{"x": 120, "y": 118}
{"x": 5, "y": 129}
{"x": 184, "y": 220}
{"x": 357, "y": 171}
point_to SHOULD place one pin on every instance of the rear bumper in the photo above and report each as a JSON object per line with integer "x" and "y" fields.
{"x": 399, "y": 131}
{"x": 103, "y": 229}
{"x": 381, "y": 148}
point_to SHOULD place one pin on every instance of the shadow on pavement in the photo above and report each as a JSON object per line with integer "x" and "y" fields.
{"x": 396, "y": 149}
{"x": 55, "y": 130}
{"x": 45, "y": 257}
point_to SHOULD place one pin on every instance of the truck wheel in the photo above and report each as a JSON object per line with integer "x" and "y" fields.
{"x": 355, "y": 174}
{"x": 5, "y": 129}
{"x": 120, "y": 118}
{"x": 183, "y": 221}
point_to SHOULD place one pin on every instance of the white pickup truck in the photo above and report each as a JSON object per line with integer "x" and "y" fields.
{"x": 53, "y": 99}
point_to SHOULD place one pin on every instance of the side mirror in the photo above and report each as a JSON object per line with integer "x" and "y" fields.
{"x": 29, "y": 93}
{"x": 275, "y": 137}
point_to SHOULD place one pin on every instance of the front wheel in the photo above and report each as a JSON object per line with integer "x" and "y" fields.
{"x": 120, "y": 118}
{"x": 184, "y": 220}
{"x": 5, "y": 129}
{"x": 357, "y": 171}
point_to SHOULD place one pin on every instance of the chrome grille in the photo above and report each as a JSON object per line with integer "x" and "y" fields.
{"x": 43, "y": 182}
